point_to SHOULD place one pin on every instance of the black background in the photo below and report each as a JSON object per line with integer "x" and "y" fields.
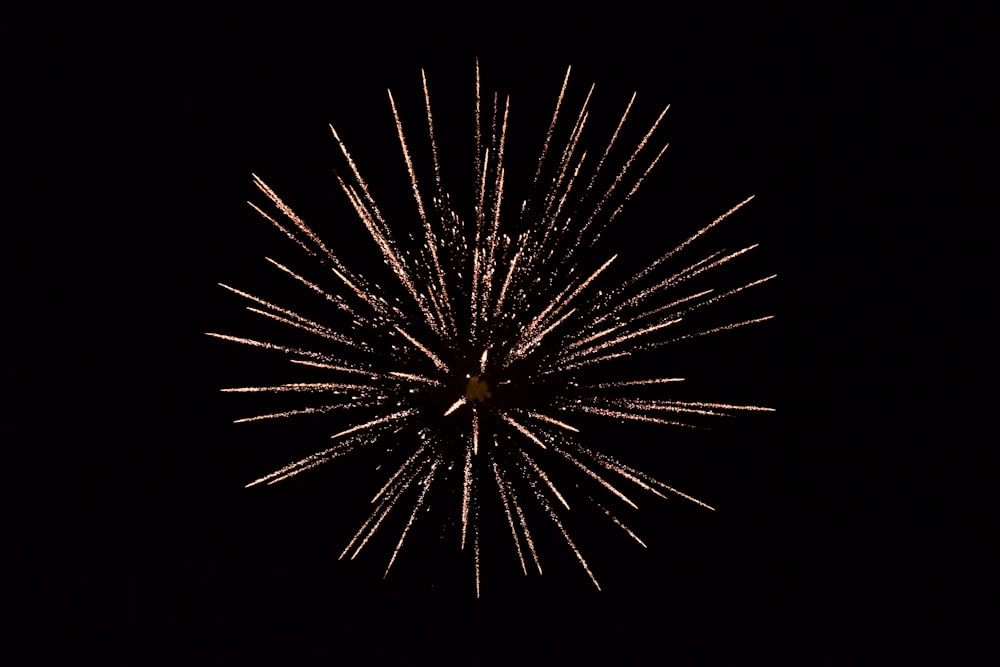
{"x": 134, "y": 138}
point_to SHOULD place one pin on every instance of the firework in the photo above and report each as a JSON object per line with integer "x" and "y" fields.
{"x": 499, "y": 336}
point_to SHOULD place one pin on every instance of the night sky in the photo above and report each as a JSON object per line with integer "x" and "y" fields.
{"x": 135, "y": 158}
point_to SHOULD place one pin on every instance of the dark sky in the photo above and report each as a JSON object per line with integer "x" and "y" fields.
{"x": 135, "y": 148}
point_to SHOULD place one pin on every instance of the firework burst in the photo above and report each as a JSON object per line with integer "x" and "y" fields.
{"x": 499, "y": 338}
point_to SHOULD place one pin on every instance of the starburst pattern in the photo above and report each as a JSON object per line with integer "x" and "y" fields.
{"x": 498, "y": 338}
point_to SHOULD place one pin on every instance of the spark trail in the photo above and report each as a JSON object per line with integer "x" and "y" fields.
{"x": 490, "y": 324}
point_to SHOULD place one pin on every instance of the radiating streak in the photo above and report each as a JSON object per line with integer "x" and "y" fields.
{"x": 430, "y": 132}
{"x": 671, "y": 280}
{"x": 316, "y": 288}
{"x": 686, "y": 496}
{"x": 546, "y": 418}
{"x": 431, "y": 238}
{"x": 466, "y": 491}
{"x": 620, "y": 524}
{"x": 582, "y": 286}
{"x": 284, "y": 311}
{"x": 687, "y": 276}
{"x": 291, "y": 215}
{"x": 635, "y": 187}
{"x": 673, "y": 408}
{"x": 653, "y": 405}
{"x": 726, "y": 327}
{"x": 672, "y": 304}
{"x": 607, "y": 150}
{"x": 531, "y": 436}
{"x": 272, "y": 346}
{"x": 555, "y": 202}
{"x": 480, "y": 174}
{"x": 624, "y": 170}
{"x": 581, "y": 120}
{"x": 590, "y": 473}
{"x": 559, "y": 302}
{"x": 415, "y": 378}
{"x": 569, "y": 186}
{"x": 346, "y": 278}
{"x": 376, "y": 214}
{"x": 534, "y": 342}
{"x": 413, "y": 177}
{"x": 389, "y": 253}
{"x": 726, "y": 406}
{"x": 338, "y": 269}
{"x": 406, "y": 464}
{"x": 475, "y": 431}
{"x": 510, "y": 516}
{"x": 616, "y": 467}
{"x": 297, "y": 386}
{"x": 416, "y": 508}
{"x": 302, "y": 411}
{"x": 564, "y": 161}
{"x": 524, "y": 254}
{"x": 613, "y": 466}
{"x": 345, "y": 369}
{"x": 479, "y": 140}
{"x": 284, "y": 230}
{"x": 506, "y": 282}
{"x": 642, "y": 274}
{"x": 682, "y": 406}
{"x": 589, "y": 339}
{"x": 545, "y": 478}
{"x": 454, "y": 406}
{"x": 475, "y": 546}
{"x": 555, "y": 518}
{"x": 417, "y": 344}
{"x": 548, "y": 133}
{"x": 440, "y": 195}
{"x": 376, "y": 422}
{"x": 651, "y": 480}
{"x": 625, "y": 415}
{"x": 476, "y": 270}
{"x": 728, "y": 293}
{"x": 630, "y": 383}
{"x": 378, "y": 514}
{"x": 524, "y": 524}
{"x": 317, "y": 458}
{"x": 318, "y": 329}
{"x": 585, "y": 362}
{"x": 619, "y": 339}
{"x": 498, "y": 187}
